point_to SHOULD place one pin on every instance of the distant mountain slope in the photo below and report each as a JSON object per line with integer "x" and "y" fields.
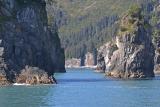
{"x": 87, "y": 24}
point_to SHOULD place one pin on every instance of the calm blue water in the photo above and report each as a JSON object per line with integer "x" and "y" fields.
{"x": 84, "y": 88}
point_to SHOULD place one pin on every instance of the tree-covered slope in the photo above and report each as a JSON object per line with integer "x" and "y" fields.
{"x": 90, "y": 23}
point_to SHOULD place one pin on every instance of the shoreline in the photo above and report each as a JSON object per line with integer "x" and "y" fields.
{"x": 81, "y": 67}
{"x": 157, "y": 76}
{"x": 24, "y": 84}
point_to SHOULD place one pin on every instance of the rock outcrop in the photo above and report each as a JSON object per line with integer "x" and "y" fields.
{"x": 3, "y": 79}
{"x": 34, "y": 75}
{"x": 134, "y": 57}
{"x": 26, "y": 40}
{"x": 157, "y": 61}
{"x": 156, "y": 39}
{"x": 90, "y": 60}
{"x": 104, "y": 55}
{"x": 73, "y": 63}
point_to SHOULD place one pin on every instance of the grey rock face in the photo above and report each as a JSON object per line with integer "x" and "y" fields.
{"x": 134, "y": 57}
{"x": 90, "y": 60}
{"x": 73, "y": 63}
{"x": 27, "y": 40}
{"x": 104, "y": 55}
{"x": 157, "y": 62}
{"x": 156, "y": 40}
{"x": 101, "y": 67}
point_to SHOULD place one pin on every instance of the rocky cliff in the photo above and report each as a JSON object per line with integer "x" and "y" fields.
{"x": 26, "y": 41}
{"x": 73, "y": 63}
{"x": 104, "y": 55}
{"x": 134, "y": 55}
{"x": 156, "y": 36}
{"x": 90, "y": 60}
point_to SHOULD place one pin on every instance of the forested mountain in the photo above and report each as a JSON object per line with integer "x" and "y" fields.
{"x": 84, "y": 25}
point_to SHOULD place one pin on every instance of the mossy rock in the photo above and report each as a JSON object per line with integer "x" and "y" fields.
{"x": 123, "y": 29}
{"x": 134, "y": 10}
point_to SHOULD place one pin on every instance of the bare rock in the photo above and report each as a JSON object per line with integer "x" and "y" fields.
{"x": 3, "y": 80}
{"x": 135, "y": 55}
{"x": 26, "y": 39}
{"x": 90, "y": 60}
{"x": 73, "y": 63}
{"x": 104, "y": 56}
{"x": 34, "y": 75}
{"x": 156, "y": 40}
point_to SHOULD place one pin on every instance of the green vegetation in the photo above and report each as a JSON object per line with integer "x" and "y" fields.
{"x": 90, "y": 11}
{"x": 130, "y": 21}
{"x": 93, "y": 22}
{"x": 155, "y": 22}
{"x": 134, "y": 9}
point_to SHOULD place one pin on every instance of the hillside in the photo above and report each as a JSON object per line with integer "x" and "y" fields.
{"x": 87, "y": 24}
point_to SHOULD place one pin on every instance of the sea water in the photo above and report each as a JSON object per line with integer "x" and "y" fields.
{"x": 84, "y": 88}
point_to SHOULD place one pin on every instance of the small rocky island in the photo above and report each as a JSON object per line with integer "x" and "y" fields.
{"x": 131, "y": 54}
{"x": 30, "y": 51}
